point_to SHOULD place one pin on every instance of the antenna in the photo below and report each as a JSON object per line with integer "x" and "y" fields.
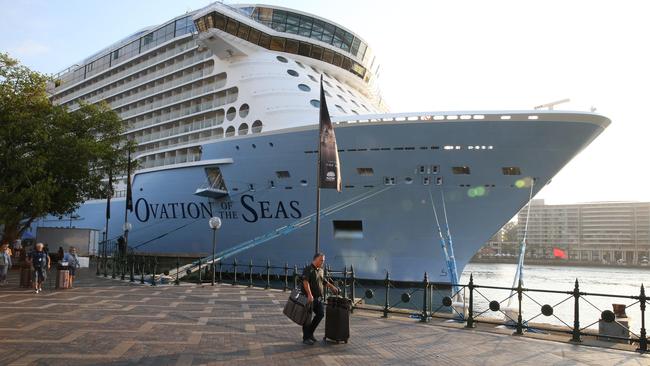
{"x": 552, "y": 104}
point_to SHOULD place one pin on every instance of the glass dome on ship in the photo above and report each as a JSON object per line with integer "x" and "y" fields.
{"x": 223, "y": 103}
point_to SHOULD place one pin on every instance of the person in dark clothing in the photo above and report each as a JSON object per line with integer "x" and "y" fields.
{"x": 60, "y": 254}
{"x": 40, "y": 262}
{"x": 121, "y": 246}
{"x": 313, "y": 285}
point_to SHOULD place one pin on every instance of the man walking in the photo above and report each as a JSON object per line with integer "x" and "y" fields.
{"x": 40, "y": 262}
{"x": 313, "y": 282}
{"x": 73, "y": 263}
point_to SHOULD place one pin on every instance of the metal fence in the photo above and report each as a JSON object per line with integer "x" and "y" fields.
{"x": 422, "y": 300}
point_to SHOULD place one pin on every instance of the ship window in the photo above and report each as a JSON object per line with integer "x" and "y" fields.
{"x": 292, "y": 46}
{"x": 254, "y": 36}
{"x": 232, "y": 112}
{"x": 243, "y": 110}
{"x": 283, "y": 174}
{"x": 312, "y": 78}
{"x": 366, "y": 172}
{"x": 304, "y": 49}
{"x": 282, "y": 59}
{"x": 232, "y": 26}
{"x": 327, "y": 56}
{"x": 435, "y": 169}
{"x": 257, "y": 127}
{"x": 341, "y": 97}
{"x": 300, "y": 64}
{"x": 304, "y": 87}
{"x": 243, "y": 129}
{"x": 438, "y": 181}
{"x": 277, "y": 43}
{"x": 219, "y": 21}
{"x": 340, "y": 108}
{"x": 511, "y": 170}
{"x": 265, "y": 40}
{"x": 230, "y": 131}
{"x": 315, "y": 103}
{"x": 292, "y": 72}
{"x": 243, "y": 31}
{"x": 316, "y": 52}
{"x": 348, "y": 229}
{"x": 460, "y": 170}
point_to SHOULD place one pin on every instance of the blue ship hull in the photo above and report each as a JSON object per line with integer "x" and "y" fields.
{"x": 399, "y": 232}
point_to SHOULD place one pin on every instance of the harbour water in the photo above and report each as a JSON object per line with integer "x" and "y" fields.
{"x": 602, "y": 280}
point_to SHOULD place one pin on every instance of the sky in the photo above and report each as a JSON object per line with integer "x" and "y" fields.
{"x": 435, "y": 56}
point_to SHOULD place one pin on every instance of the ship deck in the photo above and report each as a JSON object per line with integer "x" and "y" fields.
{"x": 104, "y": 321}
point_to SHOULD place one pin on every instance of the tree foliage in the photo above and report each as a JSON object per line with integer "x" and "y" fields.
{"x": 51, "y": 159}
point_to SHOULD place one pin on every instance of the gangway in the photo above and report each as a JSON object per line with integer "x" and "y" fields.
{"x": 284, "y": 230}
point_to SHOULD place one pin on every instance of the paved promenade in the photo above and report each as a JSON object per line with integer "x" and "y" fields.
{"x": 104, "y": 321}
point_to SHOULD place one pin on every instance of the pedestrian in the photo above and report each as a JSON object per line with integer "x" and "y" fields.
{"x": 73, "y": 263}
{"x": 313, "y": 283}
{"x": 40, "y": 263}
{"x": 5, "y": 263}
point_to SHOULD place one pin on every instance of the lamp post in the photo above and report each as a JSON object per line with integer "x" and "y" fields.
{"x": 215, "y": 224}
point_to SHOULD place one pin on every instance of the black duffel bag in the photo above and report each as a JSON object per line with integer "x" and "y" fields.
{"x": 297, "y": 308}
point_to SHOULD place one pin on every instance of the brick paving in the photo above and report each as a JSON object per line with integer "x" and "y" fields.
{"x": 104, "y": 321}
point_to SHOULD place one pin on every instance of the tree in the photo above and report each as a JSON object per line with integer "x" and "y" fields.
{"x": 51, "y": 160}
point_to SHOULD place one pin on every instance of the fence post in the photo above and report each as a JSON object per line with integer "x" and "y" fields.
{"x": 250, "y": 273}
{"x": 268, "y": 274}
{"x": 155, "y": 268}
{"x": 295, "y": 275}
{"x": 520, "y": 322}
{"x": 200, "y": 274}
{"x": 122, "y": 267}
{"x": 386, "y": 305}
{"x": 576, "y": 313}
{"x": 113, "y": 266}
{"x": 105, "y": 255}
{"x": 178, "y": 266}
{"x": 470, "y": 315}
{"x": 234, "y": 266}
{"x": 286, "y": 276}
{"x": 352, "y": 288}
{"x": 132, "y": 268}
{"x": 425, "y": 285}
{"x": 345, "y": 282}
{"x": 220, "y": 270}
{"x": 141, "y": 269}
{"x": 643, "y": 340}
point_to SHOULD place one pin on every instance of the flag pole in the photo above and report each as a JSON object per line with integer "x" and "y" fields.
{"x": 318, "y": 204}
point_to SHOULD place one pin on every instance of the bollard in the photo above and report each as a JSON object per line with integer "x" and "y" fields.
{"x": 520, "y": 322}
{"x": 250, "y": 273}
{"x": 352, "y": 289}
{"x": 295, "y": 276}
{"x": 113, "y": 274}
{"x": 178, "y": 265}
{"x": 122, "y": 267}
{"x": 268, "y": 274}
{"x": 643, "y": 340}
{"x": 234, "y": 266}
{"x": 387, "y": 284}
{"x": 286, "y": 276}
{"x": 98, "y": 260}
{"x": 132, "y": 269}
{"x": 576, "y": 314}
{"x": 105, "y": 261}
{"x": 425, "y": 284}
{"x": 213, "y": 268}
{"x": 200, "y": 278}
{"x": 220, "y": 270}
{"x": 153, "y": 274}
{"x": 142, "y": 270}
{"x": 345, "y": 282}
{"x": 470, "y": 315}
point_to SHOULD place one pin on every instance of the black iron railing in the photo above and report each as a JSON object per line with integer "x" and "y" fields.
{"x": 423, "y": 300}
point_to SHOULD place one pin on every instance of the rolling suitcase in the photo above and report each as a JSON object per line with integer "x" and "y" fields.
{"x": 337, "y": 319}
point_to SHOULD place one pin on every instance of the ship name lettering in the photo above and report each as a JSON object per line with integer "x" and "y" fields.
{"x": 265, "y": 210}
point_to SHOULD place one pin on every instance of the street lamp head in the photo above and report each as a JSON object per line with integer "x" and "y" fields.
{"x": 215, "y": 223}
{"x": 127, "y": 226}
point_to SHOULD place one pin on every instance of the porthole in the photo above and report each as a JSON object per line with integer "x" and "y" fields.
{"x": 243, "y": 110}
{"x": 304, "y": 87}
{"x": 282, "y": 59}
{"x": 292, "y": 72}
{"x": 300, "y": 64}
{"x": 257, "y": 127}
{"x": 230, "y": 131}
{"x": 243, "y": 129}
{"x": 232, "y": 112}
{"x": 315, "y": 103}
{"x": 340, "y": 108}
{"x": 312, "y": 78}
{"x": 341, "y": 97}
{"x": 303, "y": 183}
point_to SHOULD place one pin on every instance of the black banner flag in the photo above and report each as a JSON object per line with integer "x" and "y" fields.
{"x": 129, "y": 196}
{"x": 328, "y": 154}
{"x": 109, "y": 195}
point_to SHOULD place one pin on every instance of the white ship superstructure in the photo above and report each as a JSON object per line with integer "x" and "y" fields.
{"x": 223, "y": 104}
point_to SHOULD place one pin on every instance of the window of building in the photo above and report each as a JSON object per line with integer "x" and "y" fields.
{"x": 348, "y": 229}
{"x": 365, "y": 172}
{"x": 231, "y": 114}
{"x": 257, "y": 126}
{"x": 243, "y": 129}
{"x": 243, "y": 110}
{"x": 460, "y": 170}
{"x": 304, "y": 87}
{"x": 230, "y": 131}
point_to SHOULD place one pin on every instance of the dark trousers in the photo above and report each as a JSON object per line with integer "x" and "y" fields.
{"x": 319, "y": 312}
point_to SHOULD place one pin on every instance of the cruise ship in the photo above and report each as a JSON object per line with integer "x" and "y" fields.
{"x": 223, "y": 103}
